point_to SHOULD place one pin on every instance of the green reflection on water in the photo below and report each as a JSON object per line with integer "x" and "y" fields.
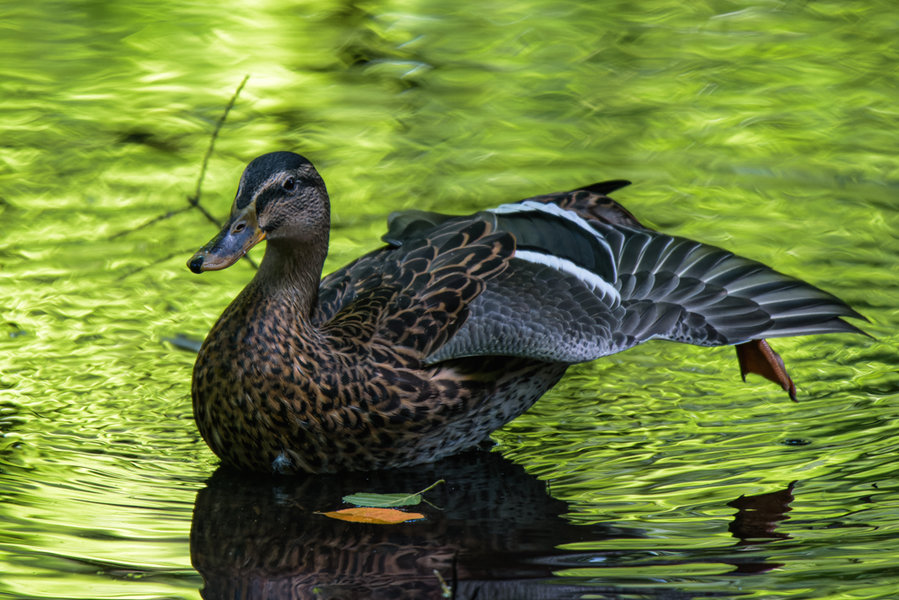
{"x": 767, "y": 128}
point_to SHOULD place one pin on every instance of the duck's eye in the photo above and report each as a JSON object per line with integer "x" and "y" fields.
{"x": 239, "y": 227}
{"x": 289, "y": 183}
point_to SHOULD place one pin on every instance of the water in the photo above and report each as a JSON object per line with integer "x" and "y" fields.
{"x": 767, "y": 128}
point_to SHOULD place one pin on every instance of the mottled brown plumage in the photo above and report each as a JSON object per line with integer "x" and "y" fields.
{"x": 421, "y": 348}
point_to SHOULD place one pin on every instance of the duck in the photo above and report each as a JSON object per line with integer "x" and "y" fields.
{"x": 423, "y": 347}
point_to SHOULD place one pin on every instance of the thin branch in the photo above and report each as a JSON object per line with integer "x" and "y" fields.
{"x": 152, "y": 221}
{"x": 192, "y": 201}
{"x": 195, "y": 200}
{"x": 158, "y": 261}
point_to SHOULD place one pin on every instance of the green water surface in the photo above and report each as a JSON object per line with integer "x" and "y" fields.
{"x": 770, "y": 128}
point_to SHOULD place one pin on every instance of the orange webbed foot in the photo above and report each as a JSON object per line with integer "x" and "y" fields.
{"x": 756, "y": 356}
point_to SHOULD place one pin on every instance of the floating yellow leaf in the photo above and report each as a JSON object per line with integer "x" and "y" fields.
{"x": 380, "y": 516}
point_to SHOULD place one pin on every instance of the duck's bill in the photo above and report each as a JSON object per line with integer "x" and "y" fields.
{"x": 229, "y": 246}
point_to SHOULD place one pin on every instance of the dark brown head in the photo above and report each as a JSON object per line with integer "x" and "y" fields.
{"x": 282, "y": 199}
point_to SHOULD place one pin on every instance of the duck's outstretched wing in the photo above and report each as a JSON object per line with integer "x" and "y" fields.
{"x": 600, "y": 283}
{"x": 586, "y": 279}
{"x": 658, "y": 268}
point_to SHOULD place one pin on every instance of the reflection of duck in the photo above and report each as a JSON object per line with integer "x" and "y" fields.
{"x": 496, "y": 534}
{"x": 495, "y": 529}
{"x": 420, "y": 349}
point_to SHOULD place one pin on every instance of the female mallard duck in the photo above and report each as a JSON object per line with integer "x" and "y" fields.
{"x": 423, "y": 347}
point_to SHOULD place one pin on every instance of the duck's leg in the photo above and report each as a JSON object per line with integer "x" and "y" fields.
{"x": 756, "y": 356}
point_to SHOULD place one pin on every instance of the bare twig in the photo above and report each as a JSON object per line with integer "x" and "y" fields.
{"x": 194, "y": 200}
{"x": 135, "y": 270}
{"x": 163, "y": 217}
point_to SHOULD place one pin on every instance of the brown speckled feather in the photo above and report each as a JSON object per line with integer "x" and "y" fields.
{"x": 593, "y": 202}
{"x": 423, "y": 300}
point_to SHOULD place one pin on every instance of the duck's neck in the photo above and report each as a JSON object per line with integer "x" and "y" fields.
{"x": 290, "y": 274}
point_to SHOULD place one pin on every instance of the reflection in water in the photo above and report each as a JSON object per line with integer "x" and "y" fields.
{"x": 757, "y": 516}
{"x": 495, "y": 529}
{"x": 756, "y": 522}
{"x": 492, "y": 532}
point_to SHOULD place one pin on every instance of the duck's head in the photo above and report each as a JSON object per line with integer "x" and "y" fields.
{"x": 282, "y": 199}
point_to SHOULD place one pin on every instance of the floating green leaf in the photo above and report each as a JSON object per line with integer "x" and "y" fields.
{"x": 388, "y": 500}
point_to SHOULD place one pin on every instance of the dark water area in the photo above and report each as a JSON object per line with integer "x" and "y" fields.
{"x": 767, "y": 128}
